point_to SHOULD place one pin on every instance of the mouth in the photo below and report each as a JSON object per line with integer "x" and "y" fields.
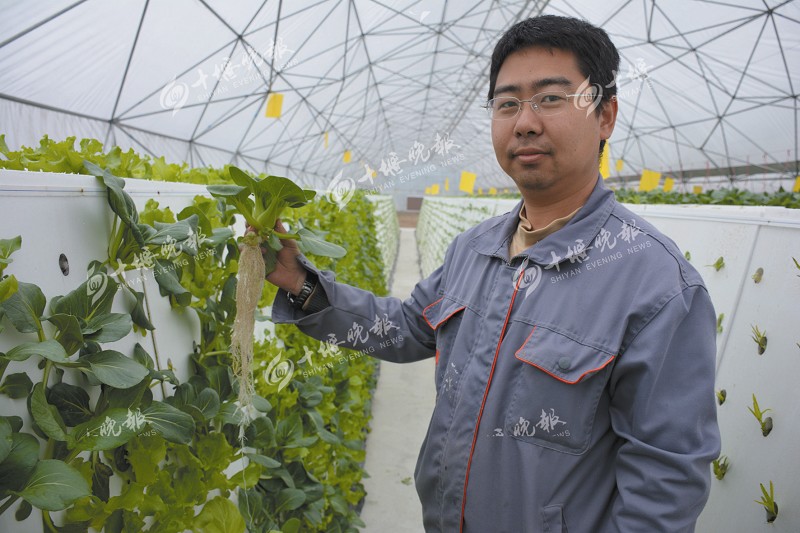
{"x": 529, "y": 155}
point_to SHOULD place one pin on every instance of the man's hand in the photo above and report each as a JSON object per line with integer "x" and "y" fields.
{"x": 289, "y": 274}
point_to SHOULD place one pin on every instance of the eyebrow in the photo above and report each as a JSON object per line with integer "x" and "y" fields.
{"x": 539, "y": 84}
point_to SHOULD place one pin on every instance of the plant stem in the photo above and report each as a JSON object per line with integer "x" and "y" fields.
{"x": 9, "y": 503}
{"x": 48, "y": 522}
{"x": 3, "y": 366}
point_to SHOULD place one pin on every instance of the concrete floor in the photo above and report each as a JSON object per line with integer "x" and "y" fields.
{"x": 401, "y": 409}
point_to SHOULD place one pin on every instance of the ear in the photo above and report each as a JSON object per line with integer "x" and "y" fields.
{"x": 608, "y": 118}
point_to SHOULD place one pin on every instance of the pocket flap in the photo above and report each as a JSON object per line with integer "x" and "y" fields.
{"x": 563, "y": 358}
{"x": 440, "y": 311}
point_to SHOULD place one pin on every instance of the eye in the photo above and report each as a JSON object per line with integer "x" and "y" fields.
{"x": 506, "y": 104}
{"x": 551, "y": 98}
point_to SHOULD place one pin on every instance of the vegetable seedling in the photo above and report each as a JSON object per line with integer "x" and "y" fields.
{"x": 766, "y": 423}
{"x": 768, "y": 502}
{"x": 721, "y": 396}
{"x": 719, "y": 264}
{"x": 720, "y": 466}
{"x": 260, "y": 202}
{"x": 760, "y": 338}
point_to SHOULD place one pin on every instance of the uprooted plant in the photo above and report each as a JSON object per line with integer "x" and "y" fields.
{"x": 260, "y": 202}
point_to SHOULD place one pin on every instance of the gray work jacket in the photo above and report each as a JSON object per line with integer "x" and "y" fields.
{"x": 575, "y": 381}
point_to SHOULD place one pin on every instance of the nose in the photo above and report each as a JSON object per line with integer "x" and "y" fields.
{"x": 527, "y": 122}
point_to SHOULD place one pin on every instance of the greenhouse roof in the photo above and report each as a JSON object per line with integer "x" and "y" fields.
{"x": 375, "y": 90}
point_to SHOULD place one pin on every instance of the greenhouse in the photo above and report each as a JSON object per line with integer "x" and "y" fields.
{"x": 322, "y": 265}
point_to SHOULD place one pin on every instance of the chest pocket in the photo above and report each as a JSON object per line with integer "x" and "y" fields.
{"x": 444, "y": 316}
{"x": 556, "y": 392}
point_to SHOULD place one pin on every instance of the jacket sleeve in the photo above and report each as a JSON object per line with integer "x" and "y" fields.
{"x": 663, "y": 406}
{"x": 384, "y": 327}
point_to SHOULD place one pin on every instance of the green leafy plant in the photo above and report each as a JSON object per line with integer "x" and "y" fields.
{"x": 768, "y": 502}
{"x": 260, "y": 202}
{"x": 719, "y": 264}
{"x": 721, "y": 396}
{"x": 302, "y": 476}
{"x": 760, "y": 338}
{"x": 720, "y": 466}
{"x": 766, "y": 423}
{"x": 758, "y": 275}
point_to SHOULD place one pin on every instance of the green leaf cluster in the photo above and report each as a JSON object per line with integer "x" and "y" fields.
{"x": 302, "y": 464}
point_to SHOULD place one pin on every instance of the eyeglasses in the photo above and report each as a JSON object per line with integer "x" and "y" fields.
{"x": 547, "y": 104}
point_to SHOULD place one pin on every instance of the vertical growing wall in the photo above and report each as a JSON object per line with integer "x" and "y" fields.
{"x": 746, "y": 238}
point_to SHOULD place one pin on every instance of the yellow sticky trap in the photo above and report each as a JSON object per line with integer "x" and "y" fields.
{"x": 435, "y": 188}
{"x": 649, "y": 180}
{"x": 274, "y": 105}
{"x": 605, "y": 161}
{"x": 480, "y": 190}
{"x": 447, "y": 184}
{"x": 669, "y": 183}
{"x": 620, "y": 164}
{"x": 326, "y": 139}
{"x": 796, "y": 184}
{"x": 492, "y": 190}
{"x": 467, "y": 182}
{"x": 697, "y": 189}
{"x": 346, "y": 157}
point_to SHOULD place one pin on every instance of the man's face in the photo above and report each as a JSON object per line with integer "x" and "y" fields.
{"x": 554, "y": 155}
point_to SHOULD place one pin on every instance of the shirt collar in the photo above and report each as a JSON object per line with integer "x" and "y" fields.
{"x": 556, "y": 247}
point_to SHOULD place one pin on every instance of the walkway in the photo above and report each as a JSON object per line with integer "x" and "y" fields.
{"x": 401, "y": 410}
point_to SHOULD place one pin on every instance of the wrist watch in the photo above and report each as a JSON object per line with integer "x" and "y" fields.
{"x": 309, "y": 298}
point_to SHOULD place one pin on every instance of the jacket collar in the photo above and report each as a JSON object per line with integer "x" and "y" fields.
{"x": 563, "y": 245}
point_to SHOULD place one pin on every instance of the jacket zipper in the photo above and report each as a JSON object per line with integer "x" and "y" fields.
{"x": 483, "y": 401}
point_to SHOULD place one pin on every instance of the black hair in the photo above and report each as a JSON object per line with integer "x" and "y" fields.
{"x": 595, "y": 54}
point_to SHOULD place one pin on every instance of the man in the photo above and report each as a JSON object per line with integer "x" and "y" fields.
{"x": 575, "y": 345}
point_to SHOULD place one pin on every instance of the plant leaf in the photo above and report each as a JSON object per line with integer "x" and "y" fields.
{"x": 113, "y": 368}
{"x": 24, "y": 308}
{"x": 289, "y": 500}
{"x": 91, "y": 298}
{"x": 172, "y": 423}
{"x": 47, "y": 416}
{"x": 105, "y": 432}
{"x": 8, "y": 287}
{"x": 72, "y": 403}
{"x": 20, "y": 461}
{"x": 208, "y": 403}
{"x": 5, "y": 439}
{"x": 109, "y": 327}
{"x": 225, "y": 191}
{"x": 49, "y": 349}
{"x": 138, "y": 314}
{"x": 17, "y": 386}
{"x": 219, "y": 515}
{"x": 54, "y": 485}
{"x": 169, "y": 282}
{"x": 69, "y": 332}
{"x": 311, "y": 242}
